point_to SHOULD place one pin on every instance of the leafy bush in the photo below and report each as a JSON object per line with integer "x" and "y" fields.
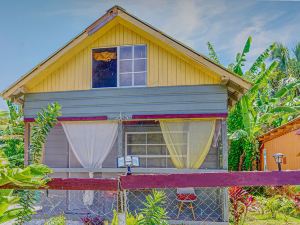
{"x": 278, "y": 204}
{"x": 89, "y": 220}
{"x": 57, "y": 220}
{"x": 153, "y": 212}
{"x": 46, "y": 119}
{"x": 240, "y": 201}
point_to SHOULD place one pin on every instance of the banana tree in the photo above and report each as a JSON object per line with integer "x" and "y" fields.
{"x": 258, "y": 108}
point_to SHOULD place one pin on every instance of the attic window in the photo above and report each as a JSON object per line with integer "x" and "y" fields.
{"x": 123, "y": 66}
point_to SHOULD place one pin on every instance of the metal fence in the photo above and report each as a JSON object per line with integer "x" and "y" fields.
{"x": 211, "y": 198}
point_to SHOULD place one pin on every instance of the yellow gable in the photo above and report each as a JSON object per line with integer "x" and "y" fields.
{"x": 164, "y": 68}
{"x": 169, "y": 62}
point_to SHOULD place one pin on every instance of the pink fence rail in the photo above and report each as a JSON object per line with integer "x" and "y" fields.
{"x": 221, "y": 179}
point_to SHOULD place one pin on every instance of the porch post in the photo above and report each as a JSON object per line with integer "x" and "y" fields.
{"x": 225, "y": 166}
{"x": 26, "y": 142}
{"x": 224, "y": 145}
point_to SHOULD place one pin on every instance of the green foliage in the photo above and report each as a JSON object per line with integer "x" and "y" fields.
{"x": 279, "y": 204}
{"x": 11, "y": 134}
{"x": 9, "y": 208}
{"x": 153, "y": 212}
{"x": 212, "y": 54}
{"x": 45, "y": 120}
{"x": 130, "y": 219}
{"x": 263, "y": 107}
{"x": 57, "y": 220}
{"x": 241, "y": 58}
{"x": 26, "y": 202}
{"x": 32, "y": 176}
{"x": 12, "y": 204}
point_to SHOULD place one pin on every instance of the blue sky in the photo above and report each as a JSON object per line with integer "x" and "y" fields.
{"x": 31, "y": 30}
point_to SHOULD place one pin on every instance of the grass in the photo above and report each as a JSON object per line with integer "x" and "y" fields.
{"x": 254, "y": 218}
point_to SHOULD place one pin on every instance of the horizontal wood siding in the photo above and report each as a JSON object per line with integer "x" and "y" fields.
{"x": 289, "y": 145}
{"x": 56, "y": 149}
{"x": 163, "y": 67}
{"x": 113, "y": 102}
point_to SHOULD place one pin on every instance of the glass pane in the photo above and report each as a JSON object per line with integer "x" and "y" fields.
{"x": 140, "y": 78}
{"x": 125, "y": 66}
{"x": 140, "y": 51}
{"x": 126, "y": 79}
{"x": 126, "y": 52}
{"x": 156, "y": 162}
{"x": 156, "y": 150}
{"x": 170, "y": 163}
{"x": 143, "y": 162}
{"x": 104, "y": 67}
{"x": 139, "y": 65}
{"x": 136, "y": 150}
{"x": 136, "y": 139}
{"x": 155, "y": 138}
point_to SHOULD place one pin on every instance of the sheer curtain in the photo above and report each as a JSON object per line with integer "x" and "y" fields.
{"x": 90, "y": 142}
{"x": 188, "y": 141}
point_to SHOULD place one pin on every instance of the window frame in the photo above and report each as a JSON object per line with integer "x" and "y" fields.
{"x": 118, "y": 66}
{"x": 166, "y": 156}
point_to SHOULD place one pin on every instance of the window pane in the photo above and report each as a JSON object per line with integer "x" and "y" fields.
{"x": 126, "y": 79}
{"x": 143, "y": 162}
{"x": 136, "y": 150}
{"x": 155, "y": 138}
{"x": 170, "y": 163}
{"x": 104, "y": 67}
{"x": 136, "y": 139}
{"x": 140, "y": 78}
{"x": 125, "y": 66}
{"x": 140, "y": 51}
{"x": 156, "y": 162}
{"x": 156, "y": 150}
{"x": 139, "y": 65}
{"x": 126, "y": 52}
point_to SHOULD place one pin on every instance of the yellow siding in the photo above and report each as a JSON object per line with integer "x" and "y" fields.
{"x": 164, "y": 68}
{"x": 289, "y": 145}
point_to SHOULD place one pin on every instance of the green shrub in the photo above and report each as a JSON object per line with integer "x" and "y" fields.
{"x": 57, "y": 220}
{"x": 153, "y": 212}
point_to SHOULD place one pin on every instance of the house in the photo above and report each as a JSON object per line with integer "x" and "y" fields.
{"x": 284, "y": 139}
{"x": 126, "y": 88}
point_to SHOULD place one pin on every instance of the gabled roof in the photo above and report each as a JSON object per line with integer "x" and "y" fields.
{"x": 237, "y": 86}
{"x": 282, "y": 130}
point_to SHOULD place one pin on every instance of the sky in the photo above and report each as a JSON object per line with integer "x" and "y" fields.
{"x": 32, "y": 30}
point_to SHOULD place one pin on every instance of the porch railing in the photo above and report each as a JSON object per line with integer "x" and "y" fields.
{"x": 218, "y": 197}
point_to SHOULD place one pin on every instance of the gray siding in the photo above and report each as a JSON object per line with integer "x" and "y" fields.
{"x": 113, "y": 102}
{"x": 56, "y": 149}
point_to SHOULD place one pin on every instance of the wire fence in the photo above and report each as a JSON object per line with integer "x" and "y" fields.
{"x": 185, "y": 200}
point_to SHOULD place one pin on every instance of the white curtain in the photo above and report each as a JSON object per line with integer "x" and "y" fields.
{"x": 188, "y": 141}
{"x": 91, "y": 142}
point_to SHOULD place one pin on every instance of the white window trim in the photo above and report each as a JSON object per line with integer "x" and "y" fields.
{"x": 118, "y": 66}
{"x": 167, "y": 156}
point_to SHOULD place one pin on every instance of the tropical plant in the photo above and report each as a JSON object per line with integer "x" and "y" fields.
{"x": 46, "y": 119}
{"x": 8, "y": 206}
{"x": 259, "y": 109}
{"x": 11, "y": 134}
{"x": 89, "y": 220}
{"x": 57, "y": 220}
{"x": 130, "y": 219}
{"x": 33, "y": 176}
{"x": 240, "y": 201}
{"x": 153, "y": 212}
